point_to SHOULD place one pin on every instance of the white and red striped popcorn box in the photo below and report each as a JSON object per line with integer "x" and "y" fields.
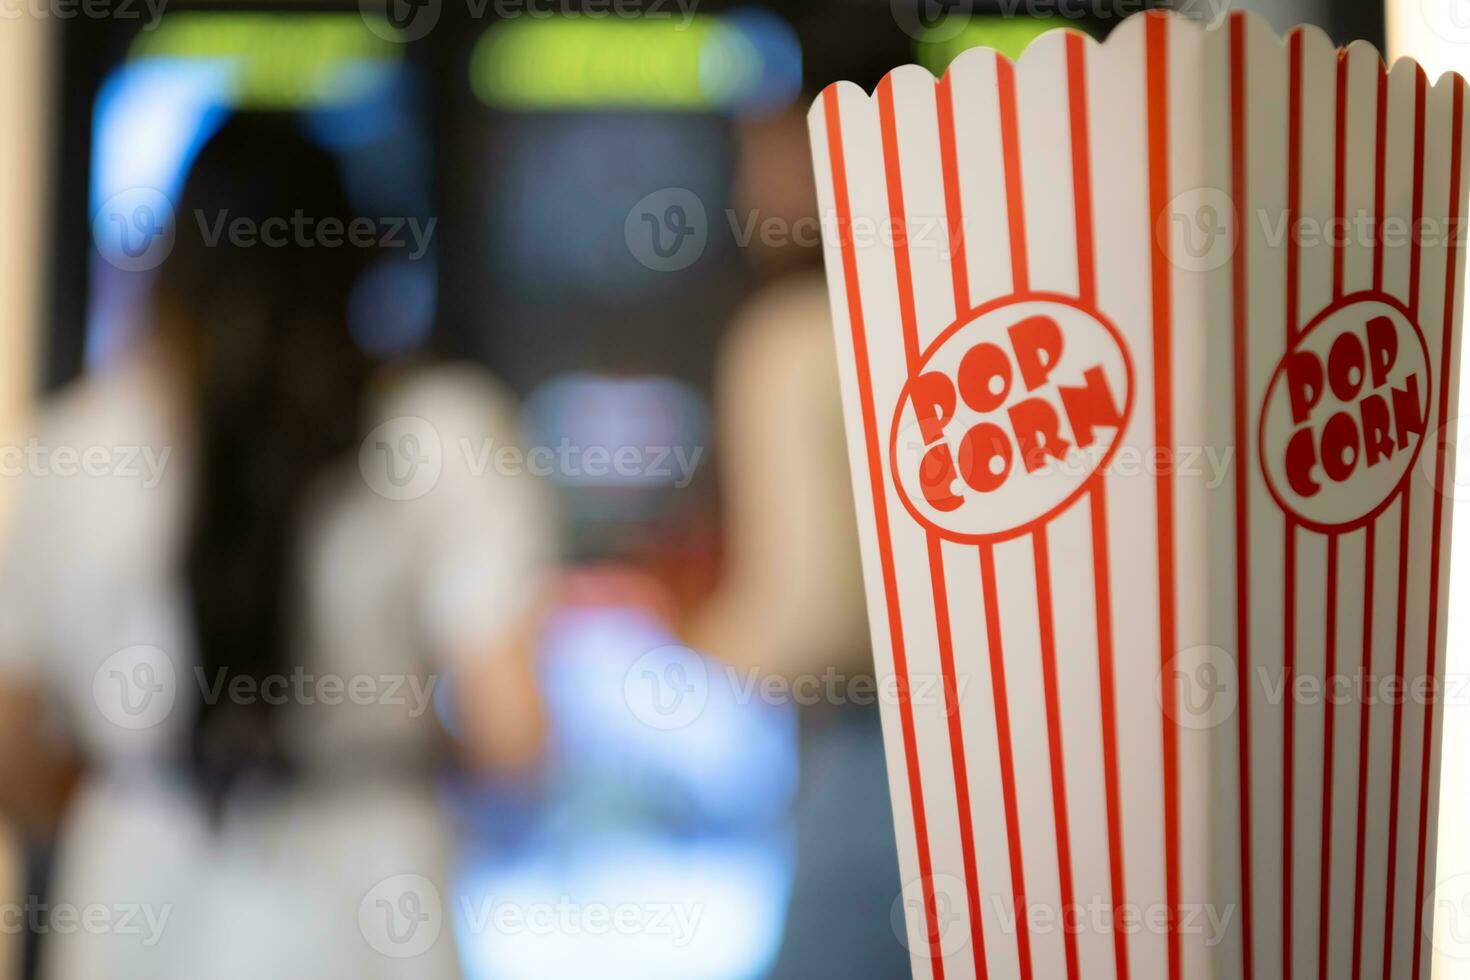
{"x": 1146, "y": 355}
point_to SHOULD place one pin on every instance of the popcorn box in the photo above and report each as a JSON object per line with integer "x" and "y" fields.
{"x": 1146, "y": 353}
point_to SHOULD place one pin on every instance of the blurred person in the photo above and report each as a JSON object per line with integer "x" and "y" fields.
{"x": 791, "y": 602}
{"x": 219, "y": 691}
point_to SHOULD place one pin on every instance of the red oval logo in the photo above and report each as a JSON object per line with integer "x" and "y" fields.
{"x": 1344, "y": 415}
{"x": 1011, "y": 411}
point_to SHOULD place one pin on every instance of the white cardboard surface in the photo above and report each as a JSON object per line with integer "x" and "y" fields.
{"x": 1112, "y": 639}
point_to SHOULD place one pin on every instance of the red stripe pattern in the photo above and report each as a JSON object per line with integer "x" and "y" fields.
{"x": 953, "y": 148}
{"x": 880, "y": 517}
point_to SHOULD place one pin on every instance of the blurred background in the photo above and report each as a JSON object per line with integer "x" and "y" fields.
{"x": 608, "y": 206}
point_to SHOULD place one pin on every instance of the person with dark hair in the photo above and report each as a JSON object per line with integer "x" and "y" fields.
{"x": 225, "y": 669}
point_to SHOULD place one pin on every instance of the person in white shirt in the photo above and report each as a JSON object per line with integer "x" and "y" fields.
{"x": 223, "y": 666}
